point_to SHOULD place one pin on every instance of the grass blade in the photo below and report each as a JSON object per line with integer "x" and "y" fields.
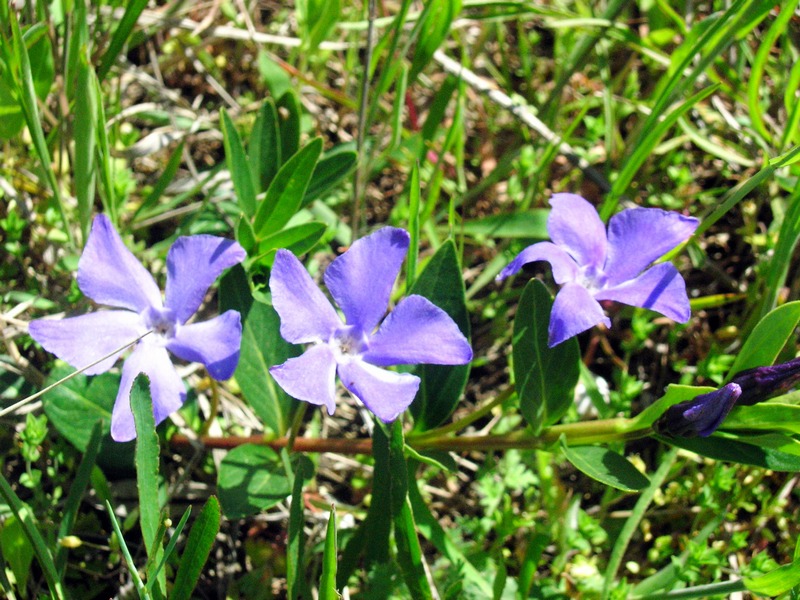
{"x": 30, "y": 109}
{"x": 327, "y": 583}
{"x": 121, "y": 34}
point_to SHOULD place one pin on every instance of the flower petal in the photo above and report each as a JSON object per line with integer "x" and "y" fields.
{"x": 214, "y": 343}
{"x": 638, "y": 236}
{"x": 193, "y": 263}
{"x": 81, "y": 340}
{"x": 575, "y": 225}
{"x": 166, "y": 389}
{"x": 361, "y": 279}
{"x": 417, "y": 331}
{"x": 660, "y": 288}
{"x": 574, "y": 311}
{"x": 108, "y": 273}
{"x": 306, "y": 315}
{"x": 700, "y": 416}
{"x": 310, "y": 377}
{"x": 564, "y": 266}
{"x": 386, "y": 393}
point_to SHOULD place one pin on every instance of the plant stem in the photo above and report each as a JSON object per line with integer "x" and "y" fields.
{"x": 576, "y": 434}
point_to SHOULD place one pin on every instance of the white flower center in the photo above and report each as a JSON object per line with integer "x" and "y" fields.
{"x": 348, "y": 343}
{"x": 591, "y": 278}
{"x": 162, "y": 322}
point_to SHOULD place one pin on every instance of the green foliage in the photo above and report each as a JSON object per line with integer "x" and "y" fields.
{"x": 545, "y": 377}
{"x": 249, "y": 125}
{"x": 605, "y": 466}
{"x": 251, "y": 479}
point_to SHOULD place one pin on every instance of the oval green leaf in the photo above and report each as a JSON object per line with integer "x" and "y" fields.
{"x": 251, "y": 478}
{"x": 606, "y": 466}
{"x": 545, "y": 377}
{"x": 768, "y": 338}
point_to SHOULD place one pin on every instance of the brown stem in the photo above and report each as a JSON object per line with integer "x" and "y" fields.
{"x": 337, "y": 445}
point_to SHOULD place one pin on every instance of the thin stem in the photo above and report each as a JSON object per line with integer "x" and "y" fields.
{"x": 32, "y": 397}
{"x": 590, "y": 432}
{"x": 214, "y": 409}
{"x": 296, "y": 423}
{"x": 465, "y": 421}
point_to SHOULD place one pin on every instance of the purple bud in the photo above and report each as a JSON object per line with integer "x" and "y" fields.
{"x": 699, "y": 416}
{"x": 760, "y": 383}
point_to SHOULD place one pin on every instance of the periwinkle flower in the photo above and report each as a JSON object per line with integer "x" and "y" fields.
{"x": 592, "y": 265}
{"x": 109, "y": 274}
{"x": 700, "y": 416}
{"x": 360, "y": 281}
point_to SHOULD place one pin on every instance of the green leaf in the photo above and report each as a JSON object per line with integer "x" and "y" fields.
{"x": 28, "y": 100}
{"x": 442, "y": 385}
{"x": 147, "y": 451}
{"x": 251, "y": 479}
{"x": 777, "y": 269}
{"x": 295, "y": 579}
{"x": 606, "y": 466}
{"x": 768, "y": 338}
{"x": 265, "y": 145}
{"x": 545, "y": 377}
{"x": 121, "y": 33}
{"x": 17, "y": 550}
{"x": 434, "y": 27}
{"x": 776, "y": 582}
{"x": 316, "y": 18}
{"x": 76, "y": 405}
{"x": 327, "y": 583}
{"x": 409, "y": 553}
{"x": 85, "y": 141}
{"x": 332, "y": 168}
{"x": 238, "y": 165}
{"x": 770, "y": 416}
{"x": 262, "y": 347}
{"x": 298, "y": 240}
{"x": 371, "y": 539}
{"x": 198, "y": 546}
{"x": 530, "y": 224}
{"x": 289, "y": 123}
{"x": 285, "y": 193}
{"x": 245, "y": 234}
{"x": 42, "y": 73}
{"x": 758, "y": 453}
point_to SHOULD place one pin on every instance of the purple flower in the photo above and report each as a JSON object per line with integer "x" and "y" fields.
{"x": 592, "y": 266}
{"x": 360, "y": 281}
{"x": 699, "y": 416}
{"x": 109, "y": 274}
{"x": 760, "y": 383}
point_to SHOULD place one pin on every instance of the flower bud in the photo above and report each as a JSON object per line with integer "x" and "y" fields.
{"x": 760, "y": 383}
{"x": 699, "y": 416}
{"x": 70, "y": 541}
